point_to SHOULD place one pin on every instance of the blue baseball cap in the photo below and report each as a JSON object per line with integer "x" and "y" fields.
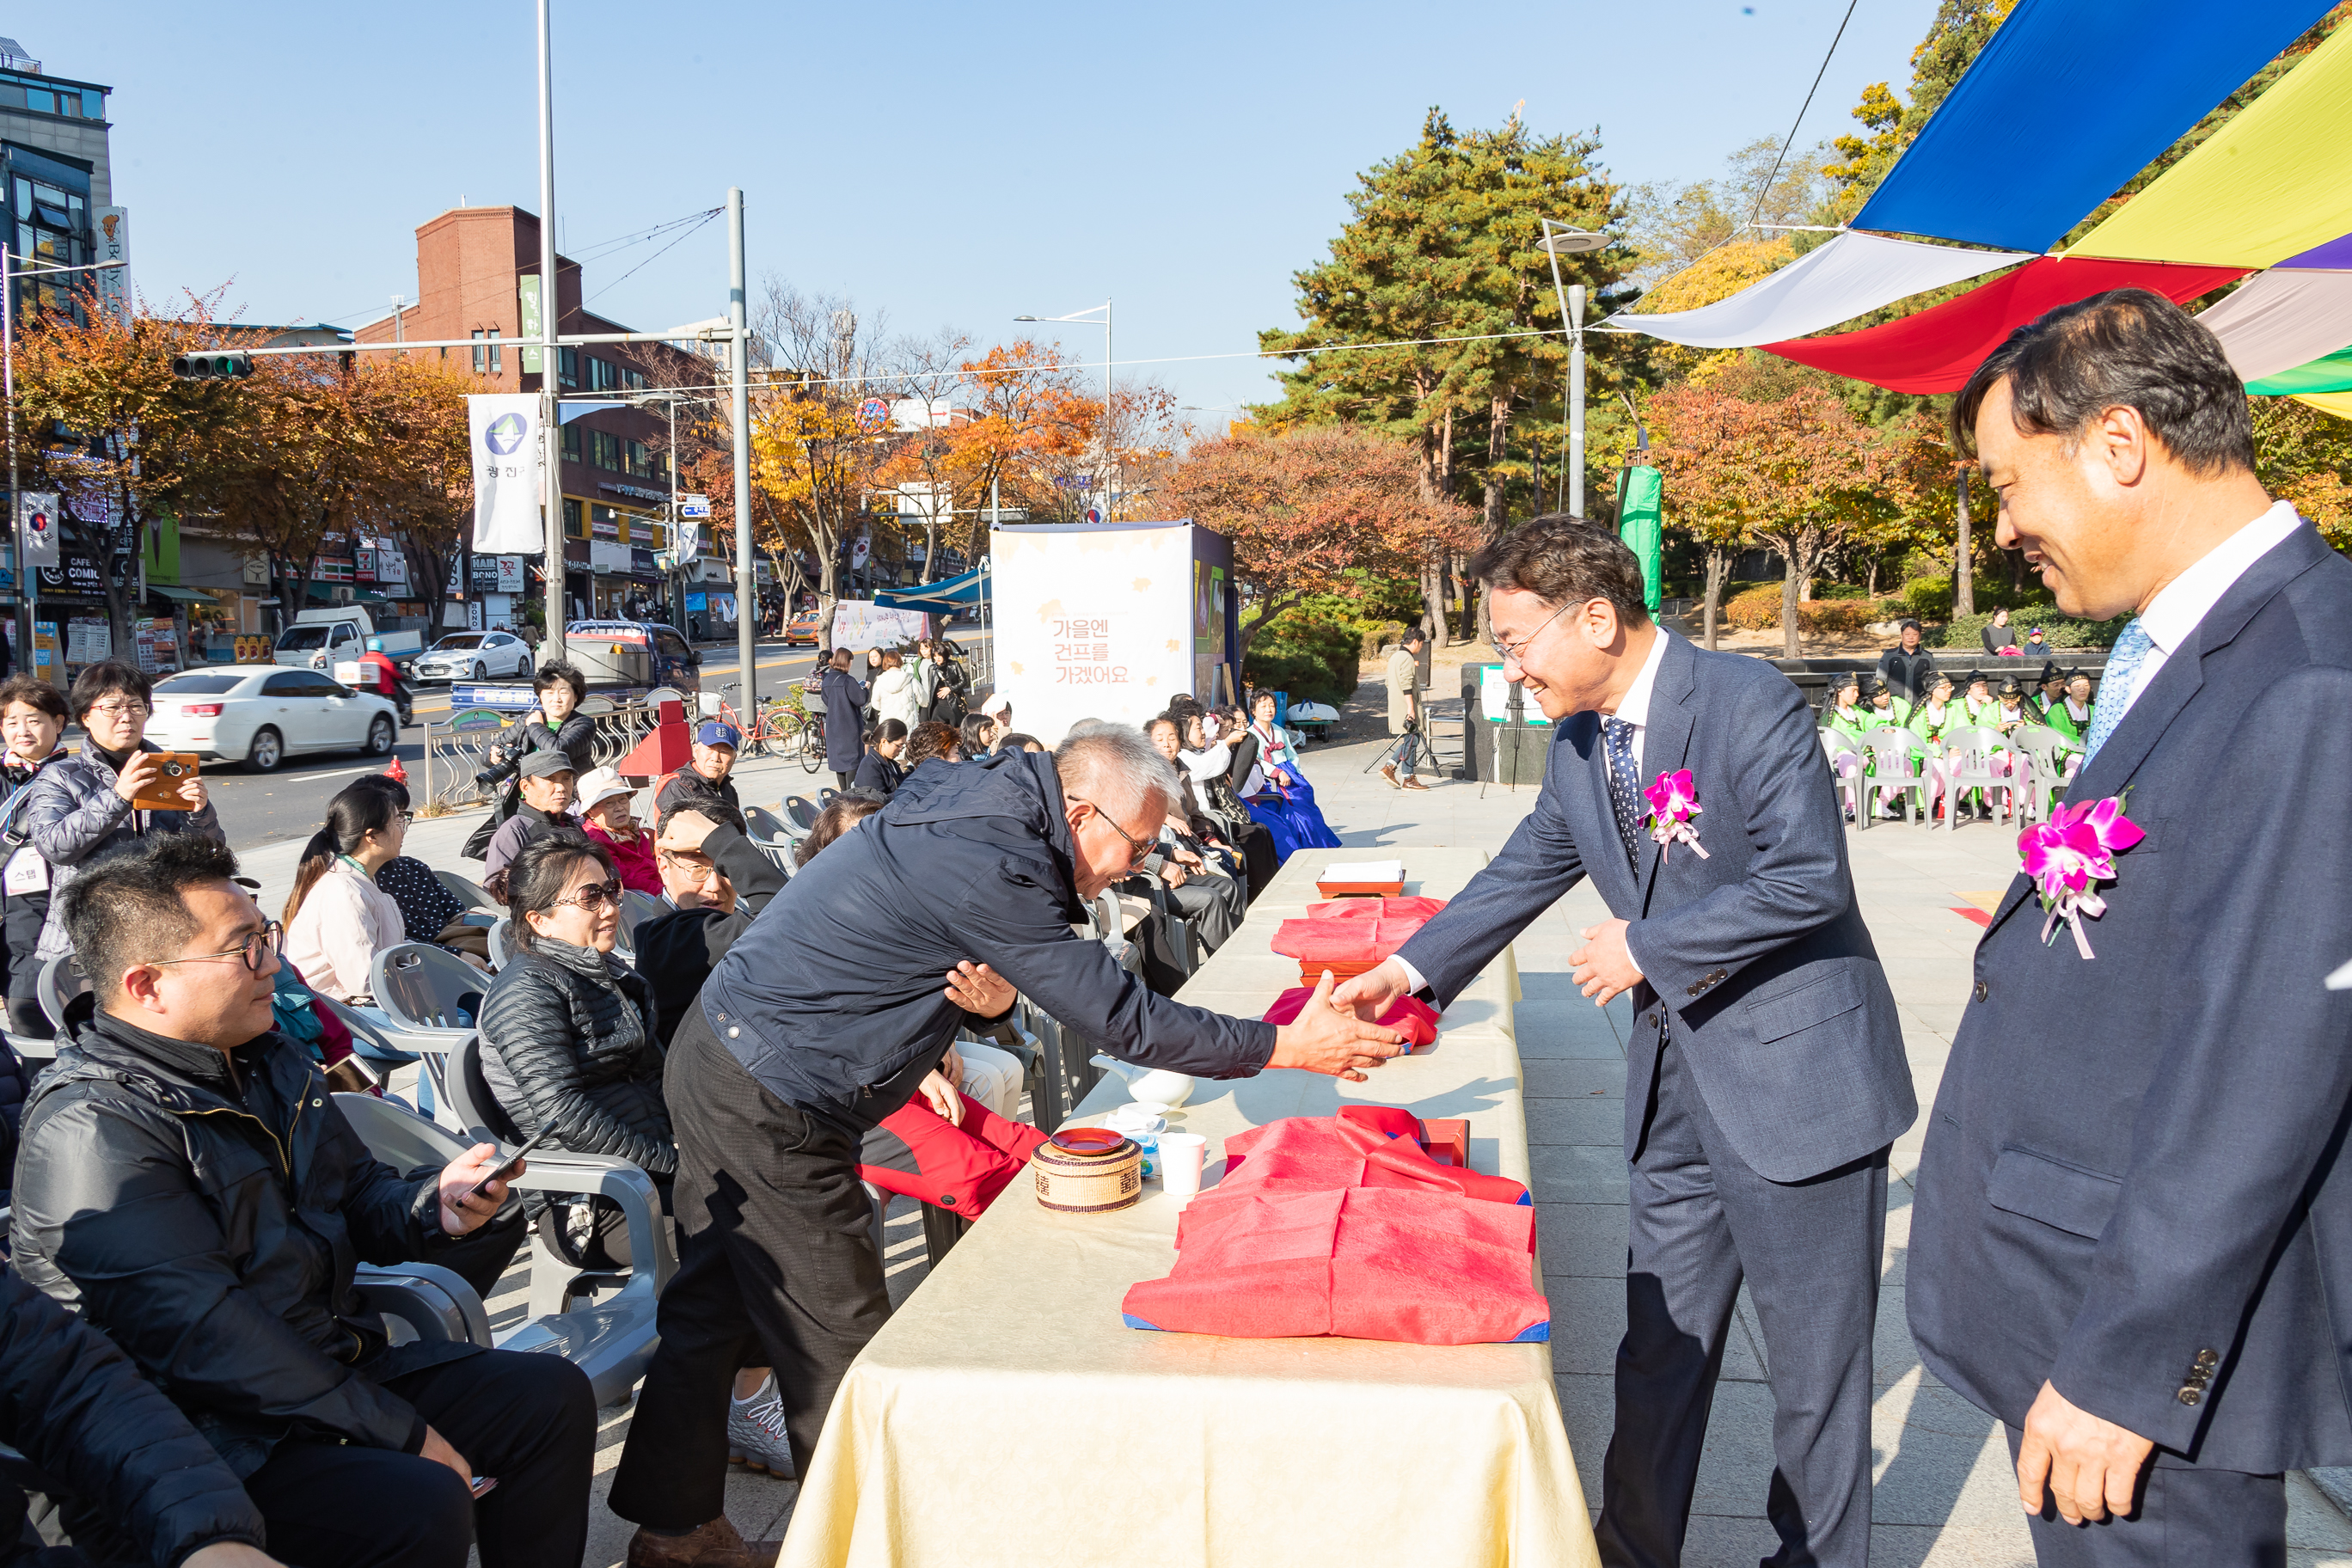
{"x": 719, "y": 733}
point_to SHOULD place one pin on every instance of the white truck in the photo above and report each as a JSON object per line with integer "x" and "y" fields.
{"x": 320, "y": 639}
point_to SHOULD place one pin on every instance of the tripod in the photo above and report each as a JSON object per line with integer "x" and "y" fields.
{"x": 1389, "y": 753}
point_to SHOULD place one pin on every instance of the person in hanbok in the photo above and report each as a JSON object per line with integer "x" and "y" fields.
{"x": 1845, "y": 715}
{"x": 1983, "y": 706}
{"x": 1938, "y": 712}
{"x": 2070, "y": 715}
{"x": 2047, "y": 694}
{"x": 1885, "y": 708}
{"x": 1275, "y": 788}
{"x": 2008, "y": 712}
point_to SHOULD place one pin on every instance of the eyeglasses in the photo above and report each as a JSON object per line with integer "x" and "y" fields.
{"x": 1142, "y": 849}
{"x": 270, "y": 939}
{"x": 591, "y": 896}
{"x": 1514, "y": 653}
{"x": 118, "y": 710}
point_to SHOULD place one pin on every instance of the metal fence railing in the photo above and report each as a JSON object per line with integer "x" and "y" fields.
{"x": 459, "y": 748}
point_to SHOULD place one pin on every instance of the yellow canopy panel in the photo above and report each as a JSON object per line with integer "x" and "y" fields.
{"x": 2274, "y": 182}
{"x": 2336, "y": 403}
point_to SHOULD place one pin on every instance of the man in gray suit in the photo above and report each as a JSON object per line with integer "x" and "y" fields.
{"x": 2133, "y": 1241}
{"x": 1764, "y": 1078}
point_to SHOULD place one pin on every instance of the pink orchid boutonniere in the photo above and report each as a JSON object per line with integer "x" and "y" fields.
{"x": 2069, "y": 854}
{"x": 1673, "y": 801}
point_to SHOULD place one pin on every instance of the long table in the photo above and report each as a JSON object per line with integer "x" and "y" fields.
{"x": 1004, "y": 1415}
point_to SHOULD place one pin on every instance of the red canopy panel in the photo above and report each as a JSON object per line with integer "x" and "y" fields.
{"x": 1938, "y": 349}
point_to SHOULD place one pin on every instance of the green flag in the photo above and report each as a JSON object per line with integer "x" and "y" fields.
{"x": 1640, "y": 523}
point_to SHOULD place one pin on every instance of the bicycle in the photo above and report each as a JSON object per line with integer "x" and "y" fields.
{"x": 773, "y": 730}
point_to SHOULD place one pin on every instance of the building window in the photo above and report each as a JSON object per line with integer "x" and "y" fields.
{"x": 632, "y": 378}
{"x": 604, "y": 449}
{"x": 567, "y": 364}
{"x": 571, "y": 443}
{"x": 640, "y": 464}
{"x": 482, "y": 357}
{"x": 574, "y": 525}
{"x": 497, "y": 356}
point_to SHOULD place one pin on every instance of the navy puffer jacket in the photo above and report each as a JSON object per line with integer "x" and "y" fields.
{"x": 837, "y": 992}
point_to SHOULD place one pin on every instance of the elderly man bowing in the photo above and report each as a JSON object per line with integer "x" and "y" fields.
{"x": 825, "y": 1016}
{"x": 1766, "y": 1077}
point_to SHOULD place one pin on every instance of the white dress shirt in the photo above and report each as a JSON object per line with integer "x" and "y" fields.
{"x": 1633, "y": 709}
{"x": 2173, "y": 617}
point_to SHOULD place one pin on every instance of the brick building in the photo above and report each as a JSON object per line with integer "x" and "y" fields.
{"x": 477, "y": 271}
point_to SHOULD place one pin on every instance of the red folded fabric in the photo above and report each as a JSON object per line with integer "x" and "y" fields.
{"x": 1354, "y": 1149}
{"x": 1415, "y": 1020}
{"x": 1421, "y": 1267}
{"x": 1366, "y": 941}
{"x": 961, "y": 1168}
{"x": 1416, "y": 907}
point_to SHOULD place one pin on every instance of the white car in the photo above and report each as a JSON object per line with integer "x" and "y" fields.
{"x": 474, "y": 656}
{"x": 260, "y": 714}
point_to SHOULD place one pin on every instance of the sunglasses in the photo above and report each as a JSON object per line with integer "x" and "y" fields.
{"x": 591, "y": 896}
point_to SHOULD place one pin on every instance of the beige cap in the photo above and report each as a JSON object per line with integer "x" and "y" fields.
{"x": 601, "y": 785}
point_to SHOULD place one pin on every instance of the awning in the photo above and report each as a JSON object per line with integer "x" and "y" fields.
{"x": 2057, "y": 113}
{"x": 2272, "y": 183}
{"x": 1852, "y": 276}
{"x": 1938, "y": 349}
{"x": 2333, "y": 374}
{"x": 953, "y": 594}
{"x": 182, "y": 595}
{"x": 2274, "y": 323}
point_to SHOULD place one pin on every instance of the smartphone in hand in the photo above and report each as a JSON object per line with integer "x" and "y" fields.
{"x": 508, "y": 1167}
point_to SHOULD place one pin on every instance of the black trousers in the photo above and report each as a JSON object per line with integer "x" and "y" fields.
{"x": 2212, "y": 1518}
{"x": 776, "y": 1264}
{"x": 843, "y": 781}
{"x": 527, "y": 1420}
{"x": 1701, "y": 1220}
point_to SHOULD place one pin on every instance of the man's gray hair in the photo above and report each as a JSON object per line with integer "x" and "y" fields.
{"x": 1115, "y": 767}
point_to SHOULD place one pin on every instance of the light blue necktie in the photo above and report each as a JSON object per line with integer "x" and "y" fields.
{"x": 2116, "y": 686}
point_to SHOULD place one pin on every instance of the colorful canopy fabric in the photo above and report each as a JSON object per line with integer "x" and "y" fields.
{"x": 2333, "y": 374}
{"x": 2336, "y": 403}
{"x": 2060, "y": 108}
{"x": 1938, "y": 349}
{"x": 1850, "y": 276}
{"x": 2274, "y": 323}
{"x": 2274, "y": 183}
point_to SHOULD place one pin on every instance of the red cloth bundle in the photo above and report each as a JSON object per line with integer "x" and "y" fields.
{"x": 1333, "y": 942}
{"x": 1416, "y": 907}
{"x": 960, "y": 1168}
{"x": 1415, "y": 1020}
{"x": 1332, "y": 1227}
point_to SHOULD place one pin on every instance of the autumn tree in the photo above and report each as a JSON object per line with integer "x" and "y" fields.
{"x": 2305, "y": 455}
{"x": 1798, "y": 476}
{"x": 1304, "y": 506}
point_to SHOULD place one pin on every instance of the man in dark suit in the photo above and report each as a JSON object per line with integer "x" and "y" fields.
{"x": 1766, "y": 1076}
{"x": 2131, "y": 1243}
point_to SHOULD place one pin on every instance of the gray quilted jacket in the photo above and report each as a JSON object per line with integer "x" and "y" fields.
{"x": 71, "y": 815}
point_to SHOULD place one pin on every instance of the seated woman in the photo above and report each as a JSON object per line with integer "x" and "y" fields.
{"x": 608, "y": 813}
{"x": 32, "y": 717}
{"x": 932, "y": 742}
{"x": 1266, "y": 776}
{"x": 336, "y": 919}
{"x": 878, "y": 769}
{"x": 979, "y": 732}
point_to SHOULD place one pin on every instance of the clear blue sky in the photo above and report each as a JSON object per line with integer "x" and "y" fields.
{"x": 942, "y": 165}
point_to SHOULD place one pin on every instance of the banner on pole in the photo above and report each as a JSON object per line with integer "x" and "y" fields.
{"x": 505, "y": 434}
{"x": 1641, "y": 523}
{"x": 38, "y": 514}
{"x": 527, "y": 305}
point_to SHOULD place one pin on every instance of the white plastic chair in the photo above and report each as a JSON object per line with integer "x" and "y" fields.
{"x": 1968, "y": 762}
{"x": 466, "y": 892}
{"x": 2052, "y": 759}
{"x": 60, "y": 980}
{"x": 1846, "y": 773}
{"x": 636, "y": 908}
{"x": 1893, "y": 772}
{"x": 501, "y": 935}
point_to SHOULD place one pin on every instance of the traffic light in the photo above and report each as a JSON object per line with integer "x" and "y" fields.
{"x": 215, "y": 366}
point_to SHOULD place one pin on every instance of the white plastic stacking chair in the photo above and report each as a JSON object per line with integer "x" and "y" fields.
{"x": 1969, "y": 762}
{"x": 1894, "y": 772}
{"x": 2049, "y": 754}
{"x": 1845, "y": 772}
{"x": 501, "y": 936}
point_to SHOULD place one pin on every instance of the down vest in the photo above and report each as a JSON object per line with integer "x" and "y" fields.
{"x": 568, "y": 1039}
{"x": 207, "y": 1213}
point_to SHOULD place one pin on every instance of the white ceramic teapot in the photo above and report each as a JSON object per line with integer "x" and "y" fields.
{"x": 1169, "y": 1089}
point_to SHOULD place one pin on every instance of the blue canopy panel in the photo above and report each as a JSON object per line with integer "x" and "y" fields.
{"x": 2054, "y": 117}
{"x": 952, "y": 593}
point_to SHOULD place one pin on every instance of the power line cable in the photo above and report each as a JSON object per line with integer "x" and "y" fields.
{"x": 656, "y": 256}
{"x": 1765, "y": 194}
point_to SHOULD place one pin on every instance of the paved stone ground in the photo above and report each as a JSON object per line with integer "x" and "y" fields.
{"x": 1944, "y": 1495}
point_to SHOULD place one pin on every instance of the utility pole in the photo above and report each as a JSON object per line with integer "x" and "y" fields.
{"x": 1575, "y": 399}
{"x": 25, "y": 577}
{"x": 1964, "y": 589}
{"x": 550, "y": 442}
{"x": 740, "y": 407}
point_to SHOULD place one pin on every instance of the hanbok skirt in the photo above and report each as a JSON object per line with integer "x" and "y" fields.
{"x": 1289, "y": 814}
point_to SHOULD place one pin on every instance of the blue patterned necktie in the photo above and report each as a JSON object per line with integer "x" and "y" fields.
{"x": 2116, "y": 685}
{"x": 1624, "y": 786}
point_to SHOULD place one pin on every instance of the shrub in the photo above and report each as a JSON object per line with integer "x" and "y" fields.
{"x": 1842, "y": 591}
{"x": 1311, "y": 659}
{"x": 1376, "y": 638}
{"x": 2058, "y": 631}
{"x": 1759, "y": 610}
{"x": 1928, "y": 598}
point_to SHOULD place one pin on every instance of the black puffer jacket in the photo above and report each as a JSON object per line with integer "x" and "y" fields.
{"x": 76, "y": 1409}
{"x": 568, "y": 1039}
{"x": 207, "y": 1213}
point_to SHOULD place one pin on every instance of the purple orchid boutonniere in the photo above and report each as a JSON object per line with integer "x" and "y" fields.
{"x": 1673, "y": 801}
{"x": 2069, "y": 854}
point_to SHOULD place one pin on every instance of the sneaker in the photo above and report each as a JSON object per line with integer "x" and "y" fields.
{"x": 755, "y": 1432}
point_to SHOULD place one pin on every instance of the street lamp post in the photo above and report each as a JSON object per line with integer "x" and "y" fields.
{"x": 550, "y": 308}
{"x": 1560, "y": 238}
{"x": 1110, "y": 452}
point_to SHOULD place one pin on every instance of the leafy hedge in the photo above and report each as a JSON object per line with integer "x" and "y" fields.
{"x": 1759, "y": 610}
{"x": 2058, "y": 631}
{"x": 1312, "y": 659}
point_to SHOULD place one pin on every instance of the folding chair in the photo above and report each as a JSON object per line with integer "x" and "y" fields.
{"x": 1968, "y": 762}
{"x": 501, "y": 935}
{"x": 61, "y": 980}
{"x": 1893, "y": 771}
{"x": 468, "y": 893}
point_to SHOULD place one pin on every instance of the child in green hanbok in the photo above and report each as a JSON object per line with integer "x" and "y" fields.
{"x": 1845, "y": 715}
{"x": 1980, "y": 705}
{"x": 1938, "y": 711}
{"x": 2048, "y": 693}
{"x": 2009, "y": 711}
{"x": 2071, "y": 714}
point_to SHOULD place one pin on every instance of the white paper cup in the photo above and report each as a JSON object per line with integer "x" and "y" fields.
{"x": 1181, "y": 1155}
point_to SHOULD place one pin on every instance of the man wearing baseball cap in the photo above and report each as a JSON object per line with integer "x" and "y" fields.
{"x": 704, "y": 785}
{"x": 545, "y": 788}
